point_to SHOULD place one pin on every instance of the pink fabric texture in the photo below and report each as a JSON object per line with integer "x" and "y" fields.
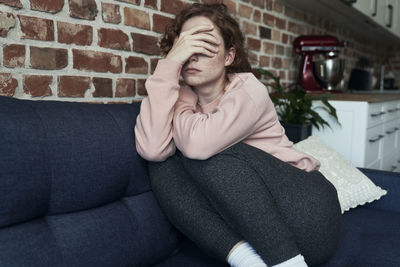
{"x": 171, "y": 118}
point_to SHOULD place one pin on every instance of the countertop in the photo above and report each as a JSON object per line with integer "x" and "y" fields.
{"x": 366, "y": 96}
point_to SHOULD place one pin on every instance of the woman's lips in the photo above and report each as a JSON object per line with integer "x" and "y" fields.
{"x": 192, "y": 70}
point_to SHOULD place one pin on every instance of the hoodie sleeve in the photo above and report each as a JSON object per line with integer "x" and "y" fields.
{"x": 201, "y": 135}
{"x": 153, "y": 129}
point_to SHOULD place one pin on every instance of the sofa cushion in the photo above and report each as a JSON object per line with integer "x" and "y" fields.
{"x": 370, "y": 237}
{"x": 353, "y": 187}
{"x": 73, "y": 190}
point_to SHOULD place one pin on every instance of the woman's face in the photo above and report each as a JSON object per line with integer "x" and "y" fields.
{"x": 201, "y": 70}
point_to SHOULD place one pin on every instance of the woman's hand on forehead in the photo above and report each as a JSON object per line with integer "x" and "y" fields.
{"x": 199, "y": 39}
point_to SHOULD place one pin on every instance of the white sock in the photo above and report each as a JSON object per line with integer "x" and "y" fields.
{"x": 245, "y": 256}
{"x": 297, "y": 261}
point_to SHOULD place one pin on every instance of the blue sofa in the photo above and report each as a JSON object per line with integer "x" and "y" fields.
{"x": 74, "y": 192}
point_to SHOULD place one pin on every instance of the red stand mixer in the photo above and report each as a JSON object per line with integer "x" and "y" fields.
{"x": 324, "y": 73}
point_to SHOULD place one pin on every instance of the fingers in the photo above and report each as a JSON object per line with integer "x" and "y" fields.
{"x": 200, "y": 28}
{"x": 207, "y": 37}
{"x": 209, "y": 47}
{"x": 201, "y": 31}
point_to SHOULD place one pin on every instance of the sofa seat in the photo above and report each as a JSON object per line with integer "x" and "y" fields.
{"x": 370, "y": 237}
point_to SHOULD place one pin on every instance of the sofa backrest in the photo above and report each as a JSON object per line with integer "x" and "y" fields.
{"x": 73, "y": 190}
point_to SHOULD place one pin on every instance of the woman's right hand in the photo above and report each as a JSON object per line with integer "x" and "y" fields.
{"x": 197, "y": 40}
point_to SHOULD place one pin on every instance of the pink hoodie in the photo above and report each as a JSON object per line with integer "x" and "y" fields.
{"x": 170, "y": 117}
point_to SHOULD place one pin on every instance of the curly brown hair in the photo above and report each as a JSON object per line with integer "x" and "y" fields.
{"x": 229, "y": 29}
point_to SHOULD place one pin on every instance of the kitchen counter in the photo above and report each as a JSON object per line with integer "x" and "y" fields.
{"x": 371, "y": 97}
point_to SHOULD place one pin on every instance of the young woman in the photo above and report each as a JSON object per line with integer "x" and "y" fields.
{"x": 220, "y": 164}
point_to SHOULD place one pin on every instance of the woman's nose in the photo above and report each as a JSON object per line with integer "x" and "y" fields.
{"x": 194, "y": 57}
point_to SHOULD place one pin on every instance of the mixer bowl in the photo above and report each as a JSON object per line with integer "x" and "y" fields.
{"x": 329, "y": 71}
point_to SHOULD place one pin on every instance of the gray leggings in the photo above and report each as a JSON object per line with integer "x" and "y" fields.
{"x": 243, "y": 193}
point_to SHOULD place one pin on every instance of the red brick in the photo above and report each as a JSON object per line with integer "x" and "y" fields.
{"x": 83, "y": 9}
{"x": 257, "y": 16}
{"x": 111, "y": 13}
{"x": 136, "y": 18}
{"x": 48, "y": 58}
{"x": 103, "y": 87}
{"x": 264, "y": 61}
{"x": 135, "y": 2}
{"x": 253, "y": 58}
{"x": 265, "y": 33}
{"x": 253, "y": 44}
{"x": 277, "y": 7}
{"x": 141, "y": 88}
{"x": 286, "y": 63}
{"x": 114, "y": 39}
{"x": 151, "y": 4}
{"x": 268, "y": 48}
{"x": 37, "y": 28}
{"x": 125, "y": 88}
{"x": 38, "y": 85}
{"x": 159, "y": 22}
{"x": 14, "y": 55}
{"x": 277, "y": 62}
{"x": 145, "y": 44}
{"x": 258, "y": 3}
{"x": 293, "y": 27}
{"x": 172, "y": 6}
{"x": 290, "y": 12}
{"x": 268, "y": 4}
{"x": 96, "y": 61}
{"x": 73, "y": 86}
{"x": 136, "y": 65}
{"x": 12, "y": 3}
{"x": 276, "y": 35}
{"x": 245, "y": 11}
{"x": 279, "y": 50}
{"x": 7, "y": 23}
{"x": 268, "y": 19}
{"x": 282, "y": 75}
{"x": 289, "y": 51}
{"x": 51, "y": 6}
{"x": 231, "y": 5}
{"x": 8, "y": 84}
{"x": 78, "y": 34}
{"x": 280, "y": 23}
{"x": 285, "y": 38}
{"x": 249, "y": 28}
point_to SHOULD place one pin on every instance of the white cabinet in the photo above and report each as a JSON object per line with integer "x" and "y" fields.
{"x": 383, "y": 12}
{"x": 367, "y": 7}
{"x": 369, "y": 135}
{"x": 364, "y": 18}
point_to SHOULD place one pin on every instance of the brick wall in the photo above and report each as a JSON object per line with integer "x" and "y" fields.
{"x": 103, "y": 50}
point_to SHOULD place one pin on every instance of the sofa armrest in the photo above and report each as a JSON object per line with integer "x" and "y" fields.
{"x": 389, "y": 181}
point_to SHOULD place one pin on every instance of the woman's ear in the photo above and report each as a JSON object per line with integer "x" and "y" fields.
{"x": 230, "y": 56}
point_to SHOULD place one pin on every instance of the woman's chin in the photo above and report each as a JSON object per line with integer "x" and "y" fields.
{"x": 192, "y": 81}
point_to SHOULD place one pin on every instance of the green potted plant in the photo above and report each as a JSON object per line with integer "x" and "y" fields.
{"x": 295, "y": 110}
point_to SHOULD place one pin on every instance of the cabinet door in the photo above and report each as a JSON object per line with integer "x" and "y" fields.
{"x": 390, "y": 130}
{"x": 397, "y": 144}
{"x": 367, "y": 7}
{"x": 375, "y": 114}
{"x": 395, "y": 29}
{"x": 374, "y": 143}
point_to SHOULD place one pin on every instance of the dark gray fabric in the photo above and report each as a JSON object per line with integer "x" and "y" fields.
{"x": 280, "y": 210}
{"x": 185, "y": 206}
